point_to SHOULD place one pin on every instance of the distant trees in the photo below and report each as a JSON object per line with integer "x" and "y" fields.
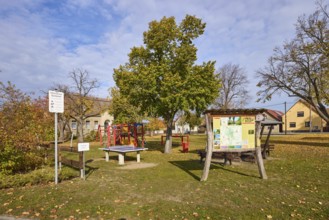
{"x": 155, "y": 124}
{"x": 161, "y": 78}
{"x": 234, "y": 92}
{"x": 190, "y": 118}
{"x": 301, "y": 66}
{"x": 193, "y": 119}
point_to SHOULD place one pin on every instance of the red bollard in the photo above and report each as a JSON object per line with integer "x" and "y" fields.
{"x": 185, "y": 147}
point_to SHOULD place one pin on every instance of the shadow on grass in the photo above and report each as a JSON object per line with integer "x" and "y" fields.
{"x": 90, "y": 169}
{"x": 190, "y": 165}
{"x": 303, "y": 143}
{"x": 240, "y": 173}
{"x": 157, "y": 146}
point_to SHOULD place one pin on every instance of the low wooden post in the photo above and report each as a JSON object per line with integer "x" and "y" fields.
{"x": 59, "y": 158}
{"x": 78, "y": 164}
{"x": 209, "y": 148}
{"x": 259, "y": 157}
{"x": 81, "y": 164}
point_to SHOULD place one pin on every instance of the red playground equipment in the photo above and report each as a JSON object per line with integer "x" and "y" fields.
{"x": 123, "y": 134}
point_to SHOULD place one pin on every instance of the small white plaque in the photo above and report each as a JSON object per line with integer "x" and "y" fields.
{"x": 83, "y": 147}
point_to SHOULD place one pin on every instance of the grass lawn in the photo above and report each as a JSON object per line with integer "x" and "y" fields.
{"x": 297, "y": 186}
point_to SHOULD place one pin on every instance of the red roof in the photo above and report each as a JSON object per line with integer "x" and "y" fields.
{"x": 275, "y": 114}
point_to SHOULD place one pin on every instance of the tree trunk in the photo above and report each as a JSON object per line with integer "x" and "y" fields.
{"x": 61, "y": 128}
{"x": 210, "y": 141}
{"x": 80, "y": 130}
{"x": 168, "y": 145}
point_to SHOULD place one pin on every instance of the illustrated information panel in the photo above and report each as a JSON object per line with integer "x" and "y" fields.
{"x": 234, "y": 132}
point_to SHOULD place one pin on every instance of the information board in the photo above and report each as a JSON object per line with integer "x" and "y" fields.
{"x": 56, "y": 101}
{"x": 234, "y": 132}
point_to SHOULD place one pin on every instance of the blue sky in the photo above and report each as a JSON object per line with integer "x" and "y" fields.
{"x": 42, "y": 41}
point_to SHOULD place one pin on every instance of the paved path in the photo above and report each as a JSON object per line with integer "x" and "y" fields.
{"x": 4, "y": 217}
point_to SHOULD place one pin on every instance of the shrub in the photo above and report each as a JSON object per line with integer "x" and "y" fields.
{"x": 15, "y": 160}
{"x": 91, "y": 136}
{"x": 40, "y": 176}
{"x": 11, "y": 160}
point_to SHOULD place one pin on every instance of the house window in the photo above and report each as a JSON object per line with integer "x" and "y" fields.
{"x": 74, "y": 125}
{"x": 292, "y": 124}
{"x": 300, "y": 114}
{"x": 307, "y": 124}
{"x": 88, "y": 124}
{"x": 96, "y": 125}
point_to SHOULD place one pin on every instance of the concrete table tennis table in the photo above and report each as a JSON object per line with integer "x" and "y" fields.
{"x": 122, "y": 150}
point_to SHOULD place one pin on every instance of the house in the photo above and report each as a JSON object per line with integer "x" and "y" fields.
{"x": 183, "y": 127}
{"x": 274, "y": 116}
{"x": 99, "y": 116}
{"x": 301, "y": 117}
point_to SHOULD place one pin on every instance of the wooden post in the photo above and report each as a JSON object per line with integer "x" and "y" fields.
{"x": 81, "y": 164}
{"x": 59, "y": 158}
{"x": 259, "y": 157}
{"x": 267, "y": 142}
{"x": 262, "y": 131}
{"x": 209, "y": 148}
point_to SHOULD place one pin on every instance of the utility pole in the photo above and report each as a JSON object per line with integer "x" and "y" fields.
{"x": 310, "y": 118}
{"x": 285, "y": 118}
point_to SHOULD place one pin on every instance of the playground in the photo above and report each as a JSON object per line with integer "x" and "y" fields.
{"x": 127, "y": 138}
{"x": 167, "y": 186}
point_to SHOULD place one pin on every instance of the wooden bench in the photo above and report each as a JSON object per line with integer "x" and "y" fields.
{"x": 227, "y": 156}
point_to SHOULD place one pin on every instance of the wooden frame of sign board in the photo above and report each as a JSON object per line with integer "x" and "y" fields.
{"x": 243, "y": 136}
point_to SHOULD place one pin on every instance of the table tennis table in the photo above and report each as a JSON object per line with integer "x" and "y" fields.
{"x": 122, "y": 150}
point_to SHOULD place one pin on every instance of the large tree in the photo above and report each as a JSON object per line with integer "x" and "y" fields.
{"x": 80, "y": 102}
{"x": 300, "y": 67}
{"x": 161, "y": 78}
{"x": 234, "y": 92}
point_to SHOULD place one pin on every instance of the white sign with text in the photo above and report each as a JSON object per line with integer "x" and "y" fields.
{"x": 56, "y": 101}
{"x": 83, "y": 147}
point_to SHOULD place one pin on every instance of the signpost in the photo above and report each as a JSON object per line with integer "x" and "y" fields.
{"x": 82, "y": 147}
{"x": 56, "y": 105}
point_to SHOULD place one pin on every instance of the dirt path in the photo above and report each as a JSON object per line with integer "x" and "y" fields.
{"x": 134, "y": 165}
